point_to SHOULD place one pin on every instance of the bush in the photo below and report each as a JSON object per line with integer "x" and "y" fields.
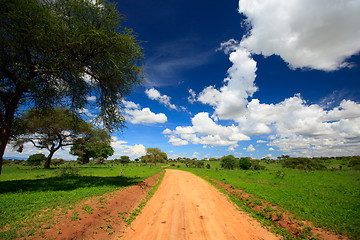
{"x": 208, "y": 166}
{"x": 100, "y": 160}
{"x": 19, "y": 162}
{"x": 57, "y": 161}
{"x": 255, "y": 165}
{"x": 36, "y": 159}
{"x": 354, "y": 161}
{"x": 245, "y": 163}
{"x": 228, "y": 162}
{"x": 200, "y": 164}
{"x": 303, "y": 164}
{"x": 7, "y": 162}
{"x": 68, "y": 170}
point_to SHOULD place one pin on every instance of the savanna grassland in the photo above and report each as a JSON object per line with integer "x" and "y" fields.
{"x": 30, "y": 196}
{"x": 328, "y": 198}
{"x": 324, "y": 193}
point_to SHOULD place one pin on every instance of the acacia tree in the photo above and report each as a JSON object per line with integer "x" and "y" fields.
{"x": 95, "y": 144}
{"x": 51, "y": 130}
{"x": 155, "y": 155}
{"x": 61, "y": 52}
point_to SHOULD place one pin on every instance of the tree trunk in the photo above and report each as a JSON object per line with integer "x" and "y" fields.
{"x": 7, "y": 119}
{"x": 85, "y": 159}
{"x": 48, "y": 159}
{"x": 4, "y": 138}
{"x": 52, "y": 150}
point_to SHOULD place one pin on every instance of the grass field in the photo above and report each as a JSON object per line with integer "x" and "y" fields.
{"x": 29, "y": 196}
{"x": 329, "y": 199}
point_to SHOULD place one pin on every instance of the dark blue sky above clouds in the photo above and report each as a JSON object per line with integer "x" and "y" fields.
{"x": 260, "y": 78}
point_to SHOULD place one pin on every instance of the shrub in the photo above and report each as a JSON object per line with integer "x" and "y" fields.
{"x": 354, "y": 161}
{"x": 57, "y": 161}
{"x": 255, "y": 165}
{"x": 7, "y": 161}
{"x": 100, "y": 160}
{"x": 19, "y": 162}
{"x": 67, "y": 170}
{"x": 228, "y": 162}
{"x": 245, "y": 163}
{"x": 279, "y": 174}
{"x": 208, "y": 166}
{"x": 303, "y": 163}
{"x": 36, "y": 159}
{"x": 200, "y": 164}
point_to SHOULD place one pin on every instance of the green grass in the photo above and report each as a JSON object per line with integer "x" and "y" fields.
{"x": 329, "y": 199}
{"x": 29, "y": 196}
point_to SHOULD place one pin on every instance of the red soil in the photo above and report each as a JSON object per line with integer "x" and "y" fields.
{"x": 106, "y": 219}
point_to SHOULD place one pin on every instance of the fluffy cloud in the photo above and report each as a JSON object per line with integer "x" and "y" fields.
{"x": 192, "y": 97}
{"x": 177, "y": 141}
{"x": 250, "y": 148}
{"x": 121, "y": 149}
{"x": 206, "y": 132}
{"x": 231, "y": 99}
{"x": 306, "y": 34}
{"x": 303, "y": 129}
{"x": 154, "y": 94}
{"x": 135, "y": 115}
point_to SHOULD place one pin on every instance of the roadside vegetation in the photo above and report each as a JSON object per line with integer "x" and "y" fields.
{"x": 31, "y": 195}
{"x": 323, "y": 191}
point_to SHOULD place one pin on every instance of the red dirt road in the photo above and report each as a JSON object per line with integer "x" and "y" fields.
{"x": 187, "y": 207}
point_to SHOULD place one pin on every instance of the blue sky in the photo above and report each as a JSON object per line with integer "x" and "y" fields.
{"x": 252, "y": 78}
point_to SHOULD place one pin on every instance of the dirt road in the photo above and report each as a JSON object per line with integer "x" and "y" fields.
{"x": 187, "y": 207}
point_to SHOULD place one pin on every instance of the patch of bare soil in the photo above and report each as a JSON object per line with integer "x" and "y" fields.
{"x": 187, "y": 207}
{"x": 278, "y": 216}
{"x": 99, "y": 217}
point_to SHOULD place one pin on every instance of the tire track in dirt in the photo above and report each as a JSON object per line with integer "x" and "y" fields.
{"x": 187, "y": 207}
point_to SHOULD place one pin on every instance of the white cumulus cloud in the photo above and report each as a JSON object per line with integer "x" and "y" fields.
{"x": 121, "y": 149}
{"x": 318, "y": 34}
{"x": 231, "y": 99}
{"x": 206, "y": 132}
{"x": 135, "y": 115}
{"x": 250, "y": 148}
{"x": 154, "y": 94}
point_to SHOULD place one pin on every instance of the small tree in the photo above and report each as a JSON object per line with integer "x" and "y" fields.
{"x": 124, "y": 160}
{"x": 155, "y": 155}
{"x": 228, "y": 162}
{"x": 245, "y": 163}
{"x": 36, "y": 159}
{"x": 97, "y": 143}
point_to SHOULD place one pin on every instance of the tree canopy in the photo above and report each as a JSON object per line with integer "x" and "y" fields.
{"x": 95, "y": 144}
{"x": 228, "y": 162}
{"x": 154, "y": 155}
{"x": 60, "y": 53}
{"x": 51, "y": 130}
